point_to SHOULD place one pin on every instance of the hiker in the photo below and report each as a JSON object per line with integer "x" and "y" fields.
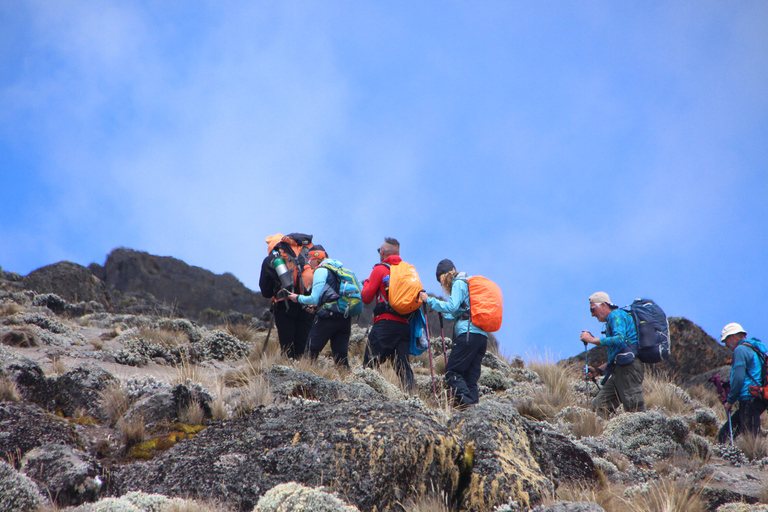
{"x": 745, "y": 371}
{"x": 624, "y": 373}
{"x": 329, "y": 325}
{"x": 390, "y": 336}
{"x": 293, "y": 323}
{"x": 469, "y": 341}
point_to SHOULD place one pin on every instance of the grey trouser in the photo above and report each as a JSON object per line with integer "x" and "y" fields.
{"x": 624, "y": 386}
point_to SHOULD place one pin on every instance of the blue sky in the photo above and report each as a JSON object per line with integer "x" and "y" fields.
{"x": 558, "y": 148}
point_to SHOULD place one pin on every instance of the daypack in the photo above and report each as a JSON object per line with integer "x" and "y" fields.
{"x": 652, "y": 330}
{"x": 419, "y": 341}
{"x": 404, "y": 288}
{"x": 486, "y": 304}
{"x": 760, "y": 389}
{"x": 343, "y": 295}
{"x": 294, "y": 250}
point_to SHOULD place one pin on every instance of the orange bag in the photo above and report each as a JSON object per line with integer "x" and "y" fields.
{"x": 404, "y": 288}
{"x": 485, "y": 303}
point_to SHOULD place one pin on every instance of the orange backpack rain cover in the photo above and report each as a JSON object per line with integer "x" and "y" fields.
{"x": 404, "y": 288}
{"x": 485, "y": 303}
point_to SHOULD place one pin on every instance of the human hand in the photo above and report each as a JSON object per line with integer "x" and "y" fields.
{"x": 586, "y": 337}
{"x": 423, "y": 296}
{"x": 293, "y": 297}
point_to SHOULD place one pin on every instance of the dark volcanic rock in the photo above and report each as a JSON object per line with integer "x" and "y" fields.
{"x": 374, "y": 453}
{"x": 287, "y": 382}
{"x": 32, "y": 383}
{"x": 70, "y": 281}
{"x": 24, "y": 427}
{"x": 81, "y": 389}
{"x": 69, "y": 476}
{"x": 504, "y": 466}
{"x": 190, "y": 289}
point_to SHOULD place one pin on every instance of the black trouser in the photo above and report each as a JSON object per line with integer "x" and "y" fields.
{"x": 745, "y": 418}
{"x": 391, "y": 340}
{"x": 335, "y": 328}
{"x": 463, "y": 369}
{"x": 293, "y": 326}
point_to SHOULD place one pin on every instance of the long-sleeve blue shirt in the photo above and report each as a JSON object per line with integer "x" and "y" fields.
{"x": 621, "y": 331}
{"x": 318, "y": 286}
{"x": 745, "y": 370}
{"x": 453, "y": 308}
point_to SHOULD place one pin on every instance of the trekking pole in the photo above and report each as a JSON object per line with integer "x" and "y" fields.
{"x": 730, "y": 426}
{"x": 442, "y": 335}
{"x": 269, "y": 332}
{"x": 586, "y": 371}
{"x": 431, "y": 364}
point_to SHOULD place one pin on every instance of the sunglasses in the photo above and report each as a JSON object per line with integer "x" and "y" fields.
{"x": 594, "y": 306}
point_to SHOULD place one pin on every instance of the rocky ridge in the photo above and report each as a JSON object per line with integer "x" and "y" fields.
{"x": 105, "y": 410}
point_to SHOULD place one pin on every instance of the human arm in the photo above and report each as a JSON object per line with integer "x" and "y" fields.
{"x": 373, "y": 283}
{"x": 318, "y": 285}
{"x": 452, "y": 308}
{"x": 267, "y": 278}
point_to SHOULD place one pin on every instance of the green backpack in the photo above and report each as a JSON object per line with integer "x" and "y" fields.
{"x": 342, "y": 290}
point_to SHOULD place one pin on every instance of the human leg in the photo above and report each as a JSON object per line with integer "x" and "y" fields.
{"x": 472, "y": 375}
{"x": 340, "y": 340}
{"x": 457, "y": 370}
{"x": 607, "y": 400}
{"x": 629, "y": 385}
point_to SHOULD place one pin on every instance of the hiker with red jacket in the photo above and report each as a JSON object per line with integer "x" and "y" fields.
{"x": 469, "y": 341}
{"x": 390, "y": 336}
{"x": 293, "y": 321}
{"x": 746, "y": 371}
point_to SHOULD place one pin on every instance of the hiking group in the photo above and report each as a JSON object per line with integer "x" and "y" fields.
{"x": 639, "y": 334}
{"x": 315, "y": 297}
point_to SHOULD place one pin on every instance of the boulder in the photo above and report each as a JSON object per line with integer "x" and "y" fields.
{"x": 24, "y": 427}
{"x": 18, "y": 493}
{"x": 80, "y": 391}
{"x": 32, "y": 383}
{"x": 373, "y": 452}
{"x": 503, "y": 465}
{"x": 70, "y": 281}
{"x": 646, "y": 437}
{"x": 69, "y": 476}
{"x": 287, "y": 382}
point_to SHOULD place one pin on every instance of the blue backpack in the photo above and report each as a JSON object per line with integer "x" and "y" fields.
{"x": 342, "y": 290}
{"x": 419, "y": 341}
{"x": 652, "y": 330}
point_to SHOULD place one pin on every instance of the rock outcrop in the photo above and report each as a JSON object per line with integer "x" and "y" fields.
{"x": 370, "y": 452}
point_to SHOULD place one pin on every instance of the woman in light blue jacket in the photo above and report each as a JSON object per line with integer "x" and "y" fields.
{"x": 469, "y": 341}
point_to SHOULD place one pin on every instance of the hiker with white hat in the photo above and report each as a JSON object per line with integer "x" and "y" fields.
{"x": 624, "y": 372}
{"x": 748, "y": 356}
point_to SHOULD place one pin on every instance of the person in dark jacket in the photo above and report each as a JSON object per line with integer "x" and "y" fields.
{"x": 462, "y": 371}
{"x": 293, "y": 321}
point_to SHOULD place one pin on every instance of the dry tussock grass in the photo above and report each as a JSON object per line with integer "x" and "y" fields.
{"x": 558, "y": 389}
{"x": 10, "y": 309}
{"x": 707, "y": 395}
{"x": 57, "y": 366}
{"x": 244, "y": 332}
{"x": 192, "y": 414}
{"x": 257, "y": 392}
{"x": 9, "y": 391}
{"x": 662, "y": 495}
{"x": 197, "y": 506}
{"x": 115, "y": 402}
{"x": 164, "y": 337}
{"x": 755, "y": 447}
{"x": 133, "y": 431}
{"x": 659, "y": 391}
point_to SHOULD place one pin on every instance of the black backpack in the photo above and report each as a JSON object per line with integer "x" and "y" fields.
{"x": 652, "y": 330}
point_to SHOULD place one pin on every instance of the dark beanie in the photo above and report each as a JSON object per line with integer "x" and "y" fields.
{"x": 443, "y": 267}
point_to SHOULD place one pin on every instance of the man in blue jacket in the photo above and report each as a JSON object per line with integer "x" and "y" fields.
{"x": 624, "y": 372}
{"x": 745, "y": 371}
